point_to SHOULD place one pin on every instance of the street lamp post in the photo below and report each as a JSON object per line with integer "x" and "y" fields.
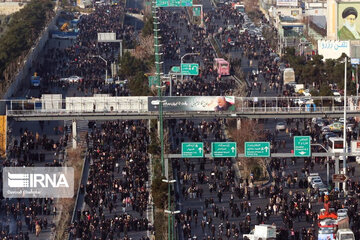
{"x": 169, "y": 211}
{"x": 327, "y": 162}
{"x": 344, "y": 135}
{"x": 106, "y": 69}
{"x": 181, "y": 62}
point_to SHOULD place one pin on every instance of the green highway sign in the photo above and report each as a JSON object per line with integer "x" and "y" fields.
{"x": 153, "y": 81}
{"x": 257, "y": 149}
{"x": 192, "y": 149}
{"x": 302, "y": 146}
{"x": 175, "y": 69}
{"x": 186, "y": 3}
{"x": 223, "y": 149}
{"x": 162, "y": 3}
{"x": 190, "y": 69}
{"x": 174, "y": 3}
{"x": 196, "y": 11}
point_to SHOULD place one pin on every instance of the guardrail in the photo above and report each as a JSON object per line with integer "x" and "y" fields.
{"x": 140, "y": 105}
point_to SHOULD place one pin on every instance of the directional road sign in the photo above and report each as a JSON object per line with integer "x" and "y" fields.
{"x": 302, "y": 146}
{"x": 223, "y": 149}
{"x": 175, "y": 69}
{"x": 153, "y": 81}
{"x": 174, "y": 3}
{"x": 162, "y": 3}
{"x": 192, "y": 149}
{"x": 339, "y": 178}
{"x": 190, "y": 69}
{"x": 196, "y": 11}
{"x": 257, "y": 149}
{"x": 186, "y": 3}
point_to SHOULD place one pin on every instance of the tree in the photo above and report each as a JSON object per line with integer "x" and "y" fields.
{"x": 139, "y": 85}
{"x": 250, "y": 131}
{"x": 23, "y": 30}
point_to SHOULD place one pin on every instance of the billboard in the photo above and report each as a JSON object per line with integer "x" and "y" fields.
{"x": 193, "y": 103}
{"x": 333, "y": 49}
{"x": 106, "y": 37}
{"x": 286, "y": 3}
{"x": 348, "y": 21}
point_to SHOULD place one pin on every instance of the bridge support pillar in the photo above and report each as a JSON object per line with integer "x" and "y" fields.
{"x": 337, "y": 170}
{"x": 74, "y": 134}
{"x": 238, "y": 123}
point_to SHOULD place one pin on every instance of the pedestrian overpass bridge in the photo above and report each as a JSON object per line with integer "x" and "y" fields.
{"x": 54, "y": 107}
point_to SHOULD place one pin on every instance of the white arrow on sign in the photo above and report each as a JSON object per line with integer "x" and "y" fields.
{"x": 200, "y": 149}
{"x": 302, "y": 153}
{"x": 232, "y": 149}
{"x": 266, "y": 149}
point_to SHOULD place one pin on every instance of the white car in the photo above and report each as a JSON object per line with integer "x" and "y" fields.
{"x": 307, "y": 93}
{"x": 72, "y": 79}
{"x": 337, "y": 96}
{"x": 313, "y": 176}
{"x": 342, "y": 213}
{"x": 315, "y": 183}
{"x": 280, "y": 126}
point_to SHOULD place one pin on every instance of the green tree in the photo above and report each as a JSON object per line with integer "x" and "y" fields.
{"x": 23, "y": 30}
{"x": 139, "y": 85}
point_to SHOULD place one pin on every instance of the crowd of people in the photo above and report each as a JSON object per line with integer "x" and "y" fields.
{"x": 290, "y": 197}
{"x": 82, "y": 59}
{"x": 116, "y": 195}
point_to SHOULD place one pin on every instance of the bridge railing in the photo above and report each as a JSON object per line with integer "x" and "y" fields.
{"x": 140, "y": 104}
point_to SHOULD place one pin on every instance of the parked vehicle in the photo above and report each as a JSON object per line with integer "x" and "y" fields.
{"x": 72, "y": 79}
{"x": 336, "y": 127}
{"x": 280, "y": 126}
{"x": 289, "y": 75}
{"x": 262, "y": 231}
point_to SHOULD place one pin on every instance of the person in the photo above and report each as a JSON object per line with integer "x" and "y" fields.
{"x": 348, "y": 30}
{"x": 222, "y": 104}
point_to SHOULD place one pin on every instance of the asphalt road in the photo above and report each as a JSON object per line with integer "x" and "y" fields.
{"x": 186, "y": 203}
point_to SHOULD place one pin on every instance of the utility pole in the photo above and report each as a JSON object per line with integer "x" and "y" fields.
{"x": 157, "y": 46}
{"x": 344, "y": 135}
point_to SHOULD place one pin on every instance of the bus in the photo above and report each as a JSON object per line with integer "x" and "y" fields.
{"x": 336, "y": 145}
{"x": 222, "y": 67}
{"x": 35, "y": 81}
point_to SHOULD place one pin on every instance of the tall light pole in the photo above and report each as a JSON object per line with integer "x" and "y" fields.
{"x": 106, "y": 69}
{"x": 181, "y": 62}
{"x": 327, "y": 162}
{"x": 169, "y": 211}
{"x": 344, "y": 135}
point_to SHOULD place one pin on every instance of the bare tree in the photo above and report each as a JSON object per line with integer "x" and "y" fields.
{"x": 145, "y": 48}
{"x": 250, "y": 131}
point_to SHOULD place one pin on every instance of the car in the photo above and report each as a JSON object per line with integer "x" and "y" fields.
{"x": 329, "y": 135}
{"x": 232, "y": 43}
{"x": 337, "y": 96}
{"x": 342, "y": 213}
{"x": 280, "y": 126}
{"x": 302, "y": 101}
{"x": 313, "y": 176}
{"x": 350, "y": 127}
{"x": 336, "y": 127}
{"x": 316, "y": 182}
{"x": 320, "y": 122}
{"x": 72, "y": 79}
{"x": 306, "y": 93}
